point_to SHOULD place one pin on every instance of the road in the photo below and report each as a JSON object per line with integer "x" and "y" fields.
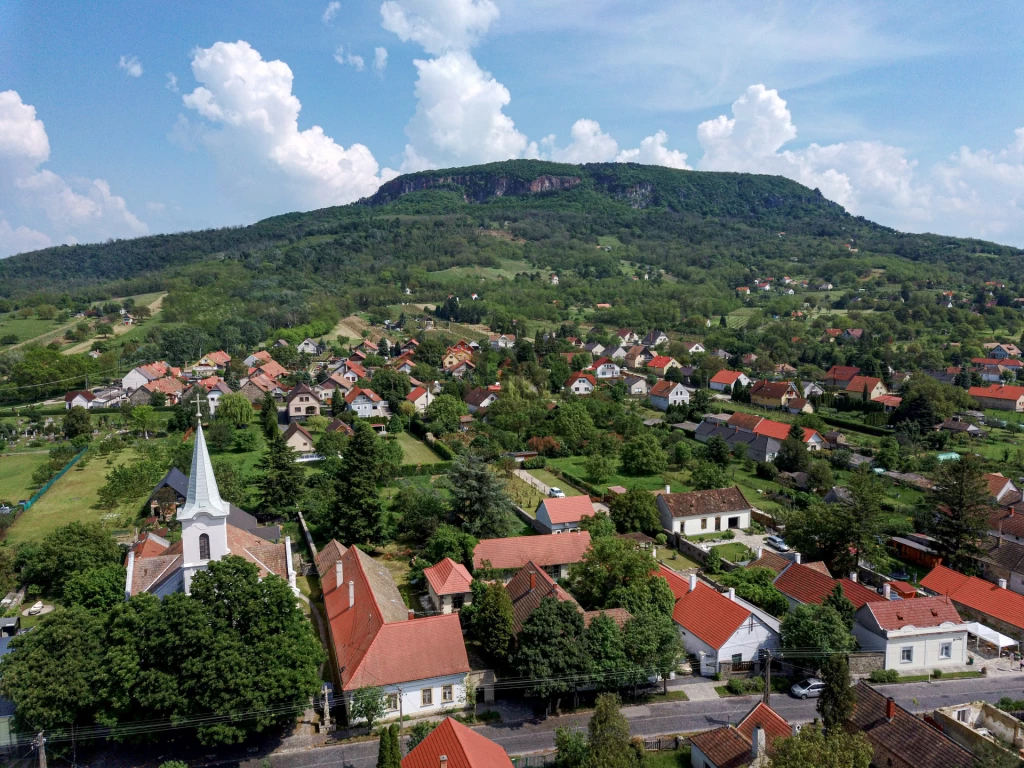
{"x": 671, "y": 718}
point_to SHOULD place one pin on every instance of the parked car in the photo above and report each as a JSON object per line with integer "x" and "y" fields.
{"x": 776, "y": 542}
{"x": 810, "y": 688}
{"x": 556, "y": 493}
{"x": 4, "y": 509}
{"x": 36, "y": 608}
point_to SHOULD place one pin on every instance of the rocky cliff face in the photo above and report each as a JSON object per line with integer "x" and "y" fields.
{"x": 476, "y": 188}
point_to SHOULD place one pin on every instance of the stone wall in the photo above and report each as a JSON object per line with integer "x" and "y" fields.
{"x": 865, "y": 663}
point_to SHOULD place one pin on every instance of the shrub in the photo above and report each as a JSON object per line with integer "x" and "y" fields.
{"x": 884, "y": 676}
{"x": 766, "y": 470}
{"x": 661, "y": 539}
{"x": 538, "y": 462}
{"x": 936, "y": 673}
{"x": 739, "y": 686}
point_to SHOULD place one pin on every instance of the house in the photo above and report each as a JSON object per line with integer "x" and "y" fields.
{"x": 759, "y": 448}
{"x": 256, "y": 358}
{"x": 803, "y": 585}
{"x": 269, "y": 368}
{"x": 502, "y": 340}
{"x": 143, "y": 374}
{"x": 367, "y": 347}
{"x": 420, "y": 397}
{"x": 460, "y": 369}
{"x": 257, "y": 386}
{"x": 840, "y": 376}
{"x": 800, "y": 405}
{"x": 654, "y": 338}
{"x": 214, "y": 361}
{"x": 978, "y": 600}
{"x": 215, "y": 391}
{"x": 604, "y": 368}
{"x": 825, "y": 287}
{"x": 581, "y": 383}
{"x": 725, "y": 380}
{"x": 667, "y": 393}
{"x": 453, "y": 745}
{"x": 778, "y": 430}
{"x": 1002, "y": 351}
{"x": 172, "y": 390}
{"x": 420, "y": 663}
{"x": 723, "y": 631}
{"x": 1000, "y": 397}
{"x": 889, "y": 403}
{"x": 527, "y": 588}
{"x": 743, "y": 290}
{"x": 924, "y": 633}
{"x": 481, "y": 397}
{"x": 859, "y": 385}
{"x": 552, "y": 553}
{"x": 298, "y": 439}
{"x": 662, "y": 364}
{"x": 694, "y": 348}
{"x": 595, "y": 348}
{"x": 617, "y": 353}
{"x": 916, "y": 548}
{"x": 1002, "y": 490}
{"x": 352, "y": 371}
{"x": 811, "y": 389}
{"x": 280, "y": 343}
{"x": 79, "y": 399}
{"x": 331, "y": 386}
{"x": 448, "y": 585}
{"x": 748, "y": 743}
{"x": 310, "y": 347}
{"x": 455, "y": 355}
{"x": 636, "y": 386}
{"x": 627, "y": 336}
{"x": 637, "y": 356}
{"x": 301, "y": 403}
{"x": 773, "y": 394}
{"x": 553, "y": 279}
{"x": 984, "y": 730}
{"x": 697, "y": 512}
{"x": 365, "y": 402}
{"x": 830, "y": 335}
{"x": 403, "y": 364}
{"x": 561, "y": 515}
{"x": 207, "y": 534}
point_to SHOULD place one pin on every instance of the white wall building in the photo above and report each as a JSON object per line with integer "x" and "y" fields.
{"x": 701, "y": 512}
{"x": 923, "y": 633}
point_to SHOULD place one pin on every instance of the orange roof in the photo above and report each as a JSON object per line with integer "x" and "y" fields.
{"x": 709, "y": 615}
{"x": 219, "y": 357}
{"x": 660, "y": 361}
{"x": 842, "y": 372}
{"x": 892, "y": 615}
{"x": 977, "y": 594}
{"x": 772, "y": 389}
{"x": 809, "y": 585}
{"x": 997, "y": 483}
{"x": 464, "y": 748}
{"x": 780, "y": 430}
{"x": 725, "y": 377}
{"x": 448, "y": 578}
{"x": 747, "y": 421}
{"x": 664, "y": 388}
{"x": 355, "y": 392}
{"x": 893, "y": 401}
{"x": 543, "y": 550}
{"x": 997, "y": 392}
{"x": 571, "y": 509}
{"x": 775, "y": 727}
{"x": 415, "y": 394}
{"x": 859, "y": 383}
{"x": 270, "y": 368}
{"x": 148, "y": 547}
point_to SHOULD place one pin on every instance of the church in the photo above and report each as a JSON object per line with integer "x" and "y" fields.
{"x": 155, "y": 565}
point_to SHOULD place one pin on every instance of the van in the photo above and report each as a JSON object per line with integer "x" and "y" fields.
{"x": 776, "y": 542}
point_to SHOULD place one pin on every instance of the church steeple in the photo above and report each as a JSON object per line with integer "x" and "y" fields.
{"x": 203, "y": 495}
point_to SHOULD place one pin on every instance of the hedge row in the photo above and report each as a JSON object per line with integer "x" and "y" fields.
{"x": 857, "y": 426}
{"x": 414, "y": 470}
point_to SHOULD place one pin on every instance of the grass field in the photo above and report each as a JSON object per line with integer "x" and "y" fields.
{"x": 679, "y": 758}
{"x": 524, "y": 495}
{"x": 551, "y": 481}
{"x": 27, "y": 329}
{"x": 734, "y": 552}
{"x": 16, "y": 475}
{"x": 416, "y": 451}
{"x": 573, "y": 466}
{"x": 508, "y": 270}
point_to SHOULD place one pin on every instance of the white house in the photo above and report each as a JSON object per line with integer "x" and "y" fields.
{"x": 310, "y": 347}
{"x": 79, "y": 399}
{"x": 448, "y": 585}
{"x": 697, "y": 512}
{"x": 581, "y": 383}
{"x": 654, "y": 338}
{"x": 562, "y": 515}
{"x": 142, "y": 375}
{"x": 722, "y": 630}
{"x": 923, "y": 633}
{"x": 365, "y": 402}
{"x": 636, "y": 385}
{"x": 666, "y": 393}
{"x": 694, "y": 348}
{"x": 725, "y": 380}
{"x": 420, "y": 397}
{"x": 481, "y": 397}
{"x": 606, "y": 369}
{"x": 502, "y": 340}
{"x": 616, "y": 353}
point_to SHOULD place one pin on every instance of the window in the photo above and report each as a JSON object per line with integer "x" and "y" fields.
{"x": 703, "y": 523}
{"x": 204, "y": 546}
{"x": 946, "y": 651}
{"x": 457, "y": 602}
{"x": 392, "y": 702}
{"x": 907, "y": 654}
{"x": 962, "y": 715}
{"x": 737, "y": 658}
{"x": 426, "y": 697}
{"x": 447, "y": 693}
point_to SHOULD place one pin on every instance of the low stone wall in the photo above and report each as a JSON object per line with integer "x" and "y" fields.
{"x": 694, "y": 552}
{"x": 866, "y": 662}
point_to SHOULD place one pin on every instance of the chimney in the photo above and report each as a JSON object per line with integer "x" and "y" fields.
{"x": 887, "y": 591}
{"x": 758, "y": 742}
{"x": 853, "y": 576}
{"x": 533, "y": 581}
{"x": 339, "y": 578}
{"x": 412, "y": 614}
{"x": 797, "y": 557}
{"x": 731, "y": 594}
{"x": 693, "y": 581}
{"x": 351, "y": 594}
{"x": 444, "y": 761}
{"x": 1002, "y": 583}
{"x": 760, "y": 551}
{"x": 890, "y": 709}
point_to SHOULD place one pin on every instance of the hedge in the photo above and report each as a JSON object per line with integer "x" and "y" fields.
{"x": 443, "y": 450}
{"x": 857, "y": 426}
{"x": 414, "y": 470}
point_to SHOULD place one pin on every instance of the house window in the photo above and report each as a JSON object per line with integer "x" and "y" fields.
{"x": 907, "y": 654}
{"x": 946, "y": 651}
{"x": 392, "y": 702}
{"x": 447, "y": 693}
{"x": 962, "y": 715}
{"x": 426, "y": 697}
{"x": 457, "y": 602}
{"x": 703, "y": 523}
{"x": 737, "y": 658}
{"x": 204, "y": 546}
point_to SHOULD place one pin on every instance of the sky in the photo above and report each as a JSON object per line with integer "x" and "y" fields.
{"x": 120, "y": 119}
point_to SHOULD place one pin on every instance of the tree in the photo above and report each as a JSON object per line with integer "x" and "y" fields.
{"x": 960, "y": 517}
{"x": 369, "y": 704}
{"x": 796, "y": 432}
{"x": 706, "y": 476}
{"x": 812, "y": 748}
{"x": 573, "y": 423}
{"x": 357, "y": 514}
{"x": 144, "y": 419}
{"x": 77, "y": 422}
{"x": 549, "y": 649}
{"x": 247, "y": 441}
{"x": 478, "y": 499}
{"x": 449, "y": 541}
{"x": 490, "y": 619}
{"x": 816, "y": 629}
{"x": 609, "y": 740}
{"x": 819, "y": 477}
{"x": 419, "y": 731}
{"x": 643, "y": 455}
{"x": 220, "y": 435}
{"x": 599, "y": 467}
{"x": 837, "y": 697}
{"x": 603, "y": 646}
{"x": 389, "y": 751}
{"x": 419, "y": 510}
{"x": 652, "y": 645}
{"x": 235, "y": 409}
{"x": 268, "y": 415}
{"x": 842, "y": 605}
{"x": 792, "y": 456}
{"x": 68, "y": 550}
{"x": 598, "y": 524}
{"x": 757, "y": 585}
{"x": 442, "y": 415}
{"x": 635, "y": 510}
{"x": 391, "y": 385}
{"x": 97, "y": 590}
{"x": 716, "y": 450}
{"x": 713, "y": 561}
{"x": 232, "y": 483}
{"x": 609, "y": 573}
{"x": 279, "y": 480}
{"x": 572, "y": 749}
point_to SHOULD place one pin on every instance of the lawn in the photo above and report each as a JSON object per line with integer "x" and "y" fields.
{"x": 31, "y": 328}
{"x": 415, "y": 451}
{"x": 678, "y": 758}
{"x": 551, "y": 481}
{"x": 677, "y": 561}
{"x": 734, "y": 552}
{"x": 573, "y": 466}
{"x": 16, "y": 475}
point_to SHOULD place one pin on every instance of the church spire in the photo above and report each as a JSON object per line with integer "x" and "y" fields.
{"x": 203, "y": 495}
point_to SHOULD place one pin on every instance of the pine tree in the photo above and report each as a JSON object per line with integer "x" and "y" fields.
{"x": 279, "y": 480}
{"x": 842, "y": 604}
{"x": 385, "y": 749}
{"x": 479, "y": 500}
{"x": 610, "y": 743}
{"x": 268, "y": 415}
{"x": 358, "y": 514}
{"x": 837, "y": 698}
{"x": 960, "y": 501}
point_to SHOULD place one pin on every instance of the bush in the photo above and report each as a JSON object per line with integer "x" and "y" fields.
{"x": 661, "y": 539}
{"x": 884, "y": 676}
{"x": 538, "y": 462}
{"x": 739, "y": 686}
{"x": 767, "y": 470}
{"x": 936, "y": 673}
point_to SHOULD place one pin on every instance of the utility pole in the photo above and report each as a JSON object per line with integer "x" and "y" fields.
{"x": 767, "y": 696}
{"x": 41, "y": 749}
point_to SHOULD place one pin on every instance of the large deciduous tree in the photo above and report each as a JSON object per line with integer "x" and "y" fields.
{"x": 478, "y": 499}
{"x": 635, "y": 510}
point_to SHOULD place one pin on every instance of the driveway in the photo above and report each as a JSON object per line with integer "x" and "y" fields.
{"x": 526, "y": 477}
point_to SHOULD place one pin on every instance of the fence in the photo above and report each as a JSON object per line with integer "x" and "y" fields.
{"x": 52, "y": 480}
{"x": 530, "y": 761}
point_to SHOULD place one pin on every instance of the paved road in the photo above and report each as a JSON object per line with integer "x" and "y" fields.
{"x": 672, "y": 718}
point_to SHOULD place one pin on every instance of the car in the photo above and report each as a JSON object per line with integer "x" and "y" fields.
{"x": 4, "y": 509}
{"x": 36, "y": 608}
{"x": 776, "y": 542}
{"x": 808, "y": 689}
{"x": 556, "y": 493}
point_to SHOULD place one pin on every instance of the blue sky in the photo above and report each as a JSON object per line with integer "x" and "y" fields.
{"x": 909, "y": 113}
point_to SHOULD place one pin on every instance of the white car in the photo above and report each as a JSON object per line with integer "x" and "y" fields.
{"x": 810, "y": 688}
{"x": 36, "y": 608}
{"x": 776, "y": 542}
{"x": 556, "y": 493}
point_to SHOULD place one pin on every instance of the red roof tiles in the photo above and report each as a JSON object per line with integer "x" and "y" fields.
{"x": 726, "y": 377}
{"x": 997, "y": 392}
{"x": 448, "y": 578}
{"x": 464, "y": 748}
{"x": 977, "y": 594}
{"x": 808, "y": 585}
{"x": 571, "y": 509}
{"x": 921, "y": 612}
{"x": 709, "y": 615}
{"x": 545, "y": 551}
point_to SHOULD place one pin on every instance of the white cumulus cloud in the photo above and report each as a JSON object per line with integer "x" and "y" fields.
{"x": 439, "y": 25}
{"x": 350, "y": 59}
{"x": 264, "y": 156}
{"x": 131, "y": 66}
{"x": 48, "y": 207}
{"x": 590, "y": 144}
{"x": 380, "y": 60}
{"x": 652, "y": 151}
{"x": 331, "y": 11}
{"x": 172, "y": 82}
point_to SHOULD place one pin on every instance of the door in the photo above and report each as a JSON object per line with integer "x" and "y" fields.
{"x": 734, "y": 522}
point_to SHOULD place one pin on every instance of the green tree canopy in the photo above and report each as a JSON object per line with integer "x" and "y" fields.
{"x": 635, "y": 510}
{"x": 960, "y": 513}
{"x": 479, "y": 500}
{"x": 643, "y": 455}
{"x": 68, "y": 550}
{"x": 812, "y": 748}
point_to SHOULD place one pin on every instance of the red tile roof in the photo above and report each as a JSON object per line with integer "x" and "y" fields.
{"x": 892, "y": 401}
{"x": 464, "y": 748}
{"x": 775, "y": 390}
{"x": 920, "y": 612}
{"x": 770, "y": 560}
{"x": 726, "y": 377}
{"x": 724, "y": 747}
{"x": 527, "y": 588}
{"x": 997, "y": 392}
{"x": 580, "y": 375}
{"x": 809, "y": 585}
{"x": 841, "y": 372}
{"x": 775, "y": 727}
{"x": 747, "y": 421}
{"x": 327, "y": 557}
{"x": 858, "y": 383}
{"x": 571, "y": 509}
{"x": 543, "y": 550}
{"x": 664, "y": 388}
{"x": 416, "y": 394}
{"x": 997, "y": 484}
{"x": 709, "y": 615}
{"x": 714, "y": 501}
{"x": 1008, "y": 520}
{"x": 780, "y": 430}
{"x": 84, "y": 393}
{"x": 448, "y": 578}
{"x": 355, "y": 392}
{"x": 977, "y": 594}
{"x": 660, "y": 361}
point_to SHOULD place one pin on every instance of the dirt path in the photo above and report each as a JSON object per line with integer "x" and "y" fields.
{"x": 154, "y": 310}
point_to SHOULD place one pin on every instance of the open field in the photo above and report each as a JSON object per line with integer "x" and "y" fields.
{"x": 350, "y": 327}
{"x": 16, "y": 474}
{"x": 416, "y": 451}
{"x": 573, "y": 466}
{"x": 152, "y": 300}
{"x": 508, "y": 270}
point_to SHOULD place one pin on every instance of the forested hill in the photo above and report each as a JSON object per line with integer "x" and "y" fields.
{"x": 720, "y": 215}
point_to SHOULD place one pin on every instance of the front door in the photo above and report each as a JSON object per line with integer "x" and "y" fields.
{"x": 734, "y": 522}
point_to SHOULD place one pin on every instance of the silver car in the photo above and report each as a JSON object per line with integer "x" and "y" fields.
{"x": 808, "y": 689}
